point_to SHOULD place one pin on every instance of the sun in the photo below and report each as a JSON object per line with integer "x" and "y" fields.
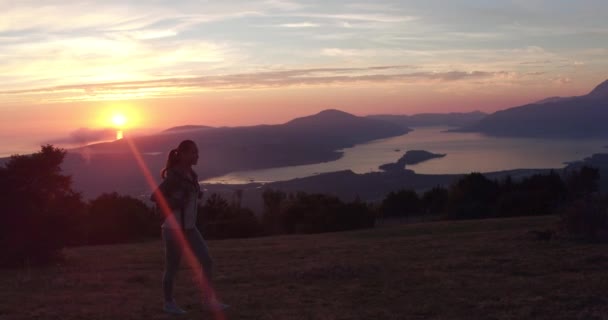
{"x": 119, "y": 120}
{"x": 117, "y": 116}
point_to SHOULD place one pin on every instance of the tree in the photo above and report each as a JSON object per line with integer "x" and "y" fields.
{"x": 315, "y": 213}
{"x": 539, "y": 194}
{"x": 472, "y": 196}
{"x": 217, "y": 219}
{"x": 273, "y": 218}
{"x": 435, "y": 200}
{"x": 583, "y": 181}
{"x": 38, "y": 204}
{"x": 312, "y": 213}
{"x": 214, "y": 207}
{"x": 401, "y": 204}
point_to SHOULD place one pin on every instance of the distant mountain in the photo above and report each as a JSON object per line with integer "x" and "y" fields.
{"x": 187, "y": 128}
{"x": 326, "y": 118}
{"x": 338, "y": 126}
{"x": 433, "y": 119}
{"x": 575, "y": 117}
{"x": 600, "y": 92}
{"x": 552, "y": 99}
{"x": 112, "y": 166}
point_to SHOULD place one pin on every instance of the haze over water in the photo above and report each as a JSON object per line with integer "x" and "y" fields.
{"x": 466, "y": 152}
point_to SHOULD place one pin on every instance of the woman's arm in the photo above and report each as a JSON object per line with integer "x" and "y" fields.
{"x": 171, "y": 190}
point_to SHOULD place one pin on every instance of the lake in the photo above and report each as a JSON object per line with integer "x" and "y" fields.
{"x": 466, "y": 152}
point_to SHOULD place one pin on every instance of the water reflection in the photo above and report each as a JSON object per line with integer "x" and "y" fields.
{"x": 466, "y": 152}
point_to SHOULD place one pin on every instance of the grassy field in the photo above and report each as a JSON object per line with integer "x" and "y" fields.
{"x": 490, "y": 269}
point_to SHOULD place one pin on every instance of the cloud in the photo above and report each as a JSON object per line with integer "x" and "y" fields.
{"x": 284, "y": 5}
{"x": 368, "y": 17}
{"x": 114, "y": 16}
{"x": 300, "y": 25}
{"x": 260, "y": 80}
{"x": 561, "y": 80}
{"x": 121, "y": 49}
{"x": 86, "y": 135}
{"x": 338, "y": 52}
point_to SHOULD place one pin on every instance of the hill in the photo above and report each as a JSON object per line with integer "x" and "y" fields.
{"x": 454, "y": 119}
{"x": 304, "y": 140}
{"x": 574, "y": 117}
{"x": 348, "y": 186}
{"x": 187, "y": 128}
{"x": 484, "y": 269}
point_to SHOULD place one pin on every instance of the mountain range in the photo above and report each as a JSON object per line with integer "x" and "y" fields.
{"x": 112, "y": 166}
{"x": 454, "y": 119}
{"x": 573, "y": 117}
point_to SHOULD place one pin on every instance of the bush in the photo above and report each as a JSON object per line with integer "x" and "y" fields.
{"x": 112, "y": 218}
{"x": 585, "y": 219}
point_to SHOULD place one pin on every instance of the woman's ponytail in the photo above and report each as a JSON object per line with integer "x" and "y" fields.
{"x": 172, "y": 160}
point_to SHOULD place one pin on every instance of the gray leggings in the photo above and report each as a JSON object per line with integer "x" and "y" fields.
{"x": 173, "y": 254}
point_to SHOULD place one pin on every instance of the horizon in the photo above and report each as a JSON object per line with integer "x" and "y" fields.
{"x": 86, "y": 137}
{"x": 161, "y": 65}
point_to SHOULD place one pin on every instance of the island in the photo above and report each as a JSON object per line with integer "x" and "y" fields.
{"x": 410, "y": 157}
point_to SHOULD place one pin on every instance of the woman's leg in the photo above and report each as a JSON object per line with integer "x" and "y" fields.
{"x": 201, "y": 251}
{"x": 173, "y": 253}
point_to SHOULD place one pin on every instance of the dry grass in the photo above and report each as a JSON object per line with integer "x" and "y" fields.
{"x": 490, "y": 269}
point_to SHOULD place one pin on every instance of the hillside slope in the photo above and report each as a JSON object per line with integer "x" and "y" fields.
{"x": 485, "y": 269}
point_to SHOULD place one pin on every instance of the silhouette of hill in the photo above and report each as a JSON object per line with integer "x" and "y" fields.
{"x": 454, "y": 119}
{"x": 111, "y": 166}
{"x": 347, "y": 185}
{"x": 552, "y": 99}
{"x": 574, "y": 117}
{"x": 187, "y": 128}
{"x": 330, "y": 117}
{"x": 600, "y": 92}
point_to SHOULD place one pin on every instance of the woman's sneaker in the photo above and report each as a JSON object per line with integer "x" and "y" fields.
{"x": 215, "y": 305}
{"x": 172, "y": 308}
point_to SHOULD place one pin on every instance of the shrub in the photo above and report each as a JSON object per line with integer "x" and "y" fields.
{"x": 112, "y": 218}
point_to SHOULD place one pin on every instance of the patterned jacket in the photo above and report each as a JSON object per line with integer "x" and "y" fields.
{"x": 178, "y": 190}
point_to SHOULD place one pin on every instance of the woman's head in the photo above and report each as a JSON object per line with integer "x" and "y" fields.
{"x": 186, "y": 154}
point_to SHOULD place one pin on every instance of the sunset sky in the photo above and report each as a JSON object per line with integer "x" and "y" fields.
{"x": 70, "y": 69}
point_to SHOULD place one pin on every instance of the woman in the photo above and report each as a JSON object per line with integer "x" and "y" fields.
{"x": 179, "y": 194}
